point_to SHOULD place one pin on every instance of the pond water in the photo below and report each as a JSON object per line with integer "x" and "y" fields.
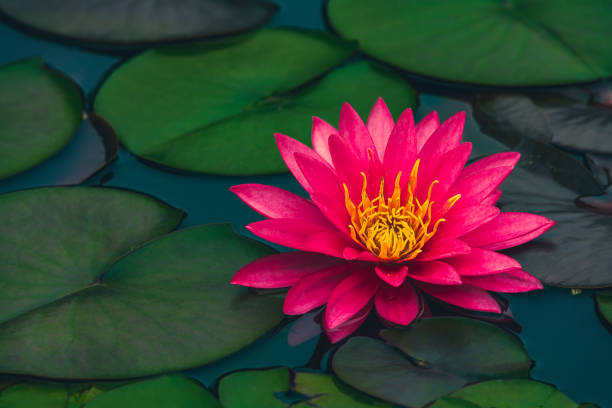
{"x": 561, "y": 331}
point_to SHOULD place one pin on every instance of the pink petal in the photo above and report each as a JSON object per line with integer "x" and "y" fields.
{"x": 463, "y": 220}
{"x": 340, "y": 332}
{"x": 444, "y": 247}
{"x": 333, "y": 209}
{"x": 321, "y": 131}
{"x": 507, "y": 230}
{"x": 380, "y": 124}
{"x": 288, "y": 147}
{"x": 444, "y": 139}
{"x": 302, "y": 235}
{"x": 320, "y": 176}
{"x": 450, "y": 166}
{"x": 475, "y": 188}
{"x": 314, "y": 289}
{"x": 466, "y": 296}
{"x": 273, "y": 202}
{"x": 281, "y": 270}
{"x": 392, "y": 274}
{"x": 354, "y": 132}
{"x": 398, "y": 305}
{"x": 400, "y": 152}
{"x": 353, "y": 254}
{"x": 425, "y": 128}
{"x": 351, "y": 295}
{"x": 482, "y": 262}
{"x": 492, "y": 198}
{"x": 504, "y": 159}
{"x": 513, "y": 281}
{"x": 436, "y": 272}
{"x": 348, "y": 167}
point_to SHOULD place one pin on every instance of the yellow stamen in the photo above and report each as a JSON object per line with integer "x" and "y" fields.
{"x": 394, "y": 228}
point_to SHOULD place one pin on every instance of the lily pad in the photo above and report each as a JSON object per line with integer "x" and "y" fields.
{"x": 28, "y": 395}
{"x": 512, "y": 42}
{"x": 173, "y": 391}
{"x": 324, "y": 391}
{"x": 603, "y": 300}
{"x": 40, "y": 111}
{"x": 78, "y": 301}
{"x": 507, "y": 394}
{"x": 429, "y": 360}
{"x": 553, "y": 118}
{"x": 116, "y": 23}
{"x": 469, "y": 348}
{"x": 209, "y": 111}
{"x": 254, "y": 388}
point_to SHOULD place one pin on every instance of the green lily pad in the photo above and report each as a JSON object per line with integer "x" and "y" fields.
{"x": 603, "y": 300}
{"x": 552, "y": 118}
{"x": 29, "y": 395}
{"x": 116, "y": 23}
{"x": 254, "y": 388}
{"x": 507, "y": 394}
{"x": 208, "y": 111}
{"x": 434, "y": 357}
{"x": 324, "y": 391}
{"x": 78, "y": 301}
{"x": 469, "y": 348}
{"x": 512, "y": 42}
{"x": 173, "y": 391}
{"x": 40, "y": 111}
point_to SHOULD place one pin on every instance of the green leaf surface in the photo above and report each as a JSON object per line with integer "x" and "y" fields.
{"x": 254, "y": 388}
{"x": 379, "y": 370}
{"x": 432, "y": 358}
{"x": 34, "y": 395}
{"x": 40, "y": 111}
{"x": 507, "y": 394}
{"x": 324, "y": 391}
{"x": 210, "y": 111}
{"x": 137, "y": 23}
{"x": 78, "y": 301}
{"x": 553, "y": 118}
{"x": 603, "y": 300}
{"x": 469, "y": 348}
{"x": 173, "y": 391}
{"x": 513, "y": 42}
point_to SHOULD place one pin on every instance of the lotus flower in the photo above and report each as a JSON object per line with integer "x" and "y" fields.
{"x": 393, "y": 211}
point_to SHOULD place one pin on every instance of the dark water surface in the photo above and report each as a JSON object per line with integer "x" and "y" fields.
{"x": 561, "y": 331}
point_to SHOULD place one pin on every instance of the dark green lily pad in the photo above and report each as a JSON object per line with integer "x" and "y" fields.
{"x": 117, "y": 23}
{"x": 507, "y": 394}
{"x": 173, "y": 391}
{"x": 40, "y": 111}
{"x": 603, "y": 300}
{"x": 324, "y": 391}
{"x": 208, "y": 111}
{"x": 78, "y": 301}
{"x": 469, "y": 348}
{"x": 513, "y": 42}
{"x": 575, "y": 252}
{"x": 553, "y": 118}
{"x": 431, "y": 359}
{"x": 254, "y": 388}
{"x": 29, "y": 395}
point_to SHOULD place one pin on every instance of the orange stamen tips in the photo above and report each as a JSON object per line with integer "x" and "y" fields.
{"x": 394, "y": 228}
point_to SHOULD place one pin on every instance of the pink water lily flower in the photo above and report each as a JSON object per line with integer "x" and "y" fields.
{"x": 393, "y": 211}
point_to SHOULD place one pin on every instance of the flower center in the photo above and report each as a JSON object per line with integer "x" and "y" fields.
{"x": 394, "y": 228}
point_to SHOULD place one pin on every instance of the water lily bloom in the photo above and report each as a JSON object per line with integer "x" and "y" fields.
{"x": 393, "y": 211}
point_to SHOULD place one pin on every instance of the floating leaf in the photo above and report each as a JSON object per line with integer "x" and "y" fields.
{"x": 254, "y": 388}
{"x": 469, "y": 348}
{"x": 137, "y": 23}
{"x": 40, "y": 111}
{"x": 33, "y": 395}
{"x": 507, "y": 394}
{"x": 430, "y": 359}
{"x": 512, "y": 42}
{"x": 208, "y": 111}
{"x": 73, "y": 305}
{"x": 173, "y": 391}
{"x": 547, "y": 117}
{"x": 324, "y": 391}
